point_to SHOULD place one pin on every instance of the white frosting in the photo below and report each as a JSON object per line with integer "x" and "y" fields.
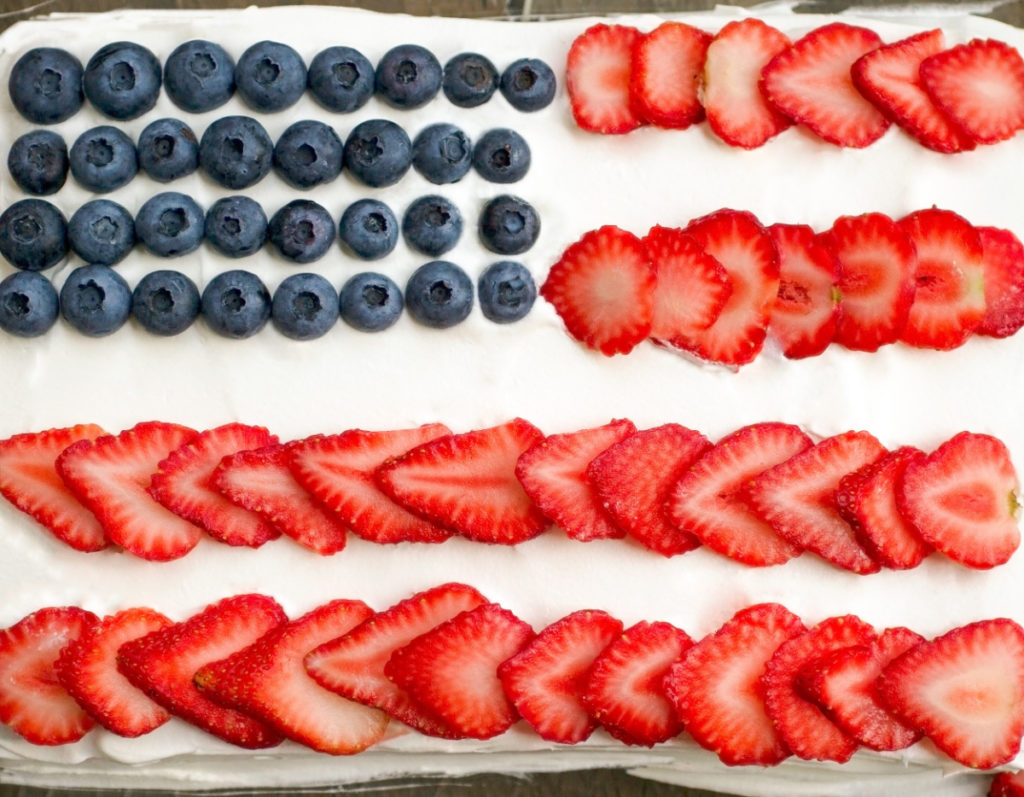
{"x": 480, "y": 373}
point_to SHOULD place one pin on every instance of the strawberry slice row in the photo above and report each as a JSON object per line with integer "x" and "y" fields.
{"x": 838, "y": 81}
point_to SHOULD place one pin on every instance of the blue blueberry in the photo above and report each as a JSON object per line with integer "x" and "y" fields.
{"x": 38, "y": 162}
{"x": 165, "y": 302}
{"x": 33, "y": 235}
{"x": 506, "y": 291}
{"x": 469, "y": 80}
{"x": 103, "y": 159}
{"x": 95, "y": 300}
{"x": 170, "y": 224}
{"x": 442, "y": 153}
{"x": 236, "y": 152}
{"x": 236, "y": 226}
{"x": 439, "y": 294}
{"x": 341, "y": 79}
{"x": 270, "y": 76}
{"x": 509, "y": 225}
{"x": 28, "y": 304}
{"x": 46, "y": 85}
{"x": 199, "y": 76}
{"x": 305, "y": 306}
{"x": 501, "y": 156}
{"x": 528, "y": 84}
{"x": 302, "y": 231}
{"x": 370, "y": 302}
{"x": 308, "y": 153}
{"x": 101, "y": 231}
{"x": 432, "y": 225}
{"x": 123, "y": 80}
{"x": 369, "y": 229}
{"x": 378, "y": 153}
{"x": 236, "y": 304}
{"x": 168, "y": 149}
{"x": 408, "y": 76}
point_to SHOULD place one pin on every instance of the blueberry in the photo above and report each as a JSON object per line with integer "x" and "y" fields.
{"x": 370, "y": 302}
{"x": 408, "y": 76}
{"x": 103, "y": 159}
{"x": 199, "y": 76}
{"x": 506, "y": 291}
{"x": 270, "y": 76}
{"x": 170, "y": 224}
{"x": 432, "y": 225}
{"x": 369, "y": 229}
{"x": 439, "y": 294}
{"x": 509, "y": 225}
{"x": 38, "y": 162}
{"x": 308, "y": 153}
{"x": 528, "y": 84}
{"x": 33, "y": 235}
{"x": 28, "y": 304}
{"x": 501, "y": 156}
{"x": 469, "y": 80}
{"x": 95, "y": 300}
{"x": 46, "y": 85}
{"x": 101, "y": 231}
{"x": 165, "y": 302}
{"x": 305, "y": 307}
{"x": 236, "y": 152}
{"x": 442, "y": 153}
{"x": 168, "y": 149}
{"x": 302, "y": 231}
{"x": 378, "y": 153}
{"x": 122, "y": 80}
{"x": 236, "y": 226}
{"x": 341, "y": 79}
{"x": 236, "y": 304}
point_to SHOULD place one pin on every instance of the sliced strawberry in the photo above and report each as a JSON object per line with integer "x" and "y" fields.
{"x": 545, "y": 680}
{"x": 553, "y": 472}
{"x": 87, "y": 669}
{"x": 877, "y": 262}
{"x": 111, "y": 474}
{"x": 32, "y": 701}
{"x": 716, "y": 688}
{"x": 980, "y": 87}
{"x": 163, "y": 664}
{"x": 1002, "y": 257}
{"x": 467, "y": 483}
{"x": 353, "y": 664}
{"x": 624, "y": 691}
{"x": 706, "y": 500}
{"x": 451, "y": 672}
{"x": 603, "y": 289}
{"x": 597, "y": 78}
{"x": 965, "y": 690}
{"x": 736, "y": 109}
{"x": 635, "y": 477}
{"x": 338, "y": 471}
{"x": 804, "y": 317}
{"x": 665, "y": 75}
{"x": 29, "y": 480}
{"x": 962, "y": 499}
{"x": 1007, "y": 784}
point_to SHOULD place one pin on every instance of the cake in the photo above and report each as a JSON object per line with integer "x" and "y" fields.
{"x": 478, "y": 374}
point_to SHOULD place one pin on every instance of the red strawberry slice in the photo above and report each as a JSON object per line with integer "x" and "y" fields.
{"x": 716, "y": 687}
{"x": 665, "y": 75}
{"x": 706, "y": 501}
{"x": 1002, "y": 258}
{"x": 32, "y": 701}
{"x": 163, "y": 665}
{"x": 261, "y": 481}
{"x": 352, "y": 665}
{"x": 624, "y": 690}
{"x": 980, "y": 87}
{"x": 267, "y": 680}
{"x": 890, "y": 77}
{"x": 603, "y": 289}
{"x": 635, "y": 477}
{"x": 1007, "y": 784}
{"x": 877, "y": 262}
{"x": 797, "y": 498}
{"x": 737, "y": 240}
{"x": 338, "y": 470}
{"x": 597, "y": 78}
{"x": 545, "y": 680}
{"x": 806, "y": 310}
{"x": 467, "y": 483}
{"x": 29, "y": 480}
{"x": 553, "y": 472}
{"x": 962, "y": 499}
{"x": 736, "y": 109}
{"x": 111, "y": 474}
{"x": 811, "y": 84}
{"x": 451, "y": 672}
{"x": 965, "y": 690}
{"x": 87, "y": 669}
{"x": 184, "y": 484}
